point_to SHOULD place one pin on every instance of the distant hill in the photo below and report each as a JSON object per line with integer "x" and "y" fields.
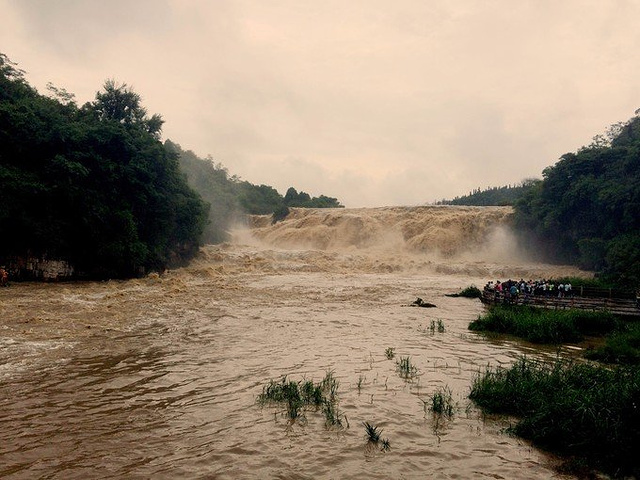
{"x": 493, "y": 196}
{"x": 229, "y": 197}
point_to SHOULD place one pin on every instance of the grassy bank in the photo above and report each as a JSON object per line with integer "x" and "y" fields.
{"x": 588, "y": 412}
{"x": 621, "y": 347}
{"x": 539, "y": 325}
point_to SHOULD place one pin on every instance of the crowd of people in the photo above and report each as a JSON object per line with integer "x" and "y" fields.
{"x": 547, "y": 288}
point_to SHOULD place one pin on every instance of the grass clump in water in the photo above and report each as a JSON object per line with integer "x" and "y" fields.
{"x": 405, "y": 368}
{"x": 622, "y": 347}
{"x": 333, "y": 417}
{"x": 469, "y": 292}
{"x": 441, "y": 402}
{"x": 588, "y": 412}
{"x": 540, "y": 325}
{"x": 329, "y": 385}
{"x": 437, "y": 325}
{"x": 373, "y": 436}
{"x": 297, "y": 396}
{"x": 390, "y": 353}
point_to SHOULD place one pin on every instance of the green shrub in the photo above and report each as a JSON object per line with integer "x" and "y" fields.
{"x": 622, "y": 347}
{"x": 280, "y": 214}
{"x": 469, "y": 292}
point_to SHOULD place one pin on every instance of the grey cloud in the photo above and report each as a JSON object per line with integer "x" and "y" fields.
{"x": 80, "y": 28}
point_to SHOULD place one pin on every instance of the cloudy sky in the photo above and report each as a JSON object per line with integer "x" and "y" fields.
{"x": 375, "y": 102}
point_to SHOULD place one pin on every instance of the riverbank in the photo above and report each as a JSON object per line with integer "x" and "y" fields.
{"x": 587, "y": 412}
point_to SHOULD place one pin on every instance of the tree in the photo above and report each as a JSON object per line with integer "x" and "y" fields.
{"x": 91, "y": 185}
{"x": 587, "y": 209}
{"x": 121, "y": 104}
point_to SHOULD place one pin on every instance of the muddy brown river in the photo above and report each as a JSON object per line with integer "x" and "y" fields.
{"x": 158, "y": 377}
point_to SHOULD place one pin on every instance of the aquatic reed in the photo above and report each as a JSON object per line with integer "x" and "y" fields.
{"x": 441, "y": 402}
{"x": 373, "y": 434}
{"x": 330, "y": 384}
{"x": 298, "y": 395}
{"x": 621, "y": 347}
{"x": 437, "y": 324}
{"x": 373, "y": 437}
{"x": 539, "y": 325}
{"x": 405, "y": 368}
{"x": 581, "y": 410}
{"x": 333, "y": 418}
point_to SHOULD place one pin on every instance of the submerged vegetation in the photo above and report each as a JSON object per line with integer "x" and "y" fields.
{"x": 298, "y": 396}
{"x": 373, "y": 436}
{"x": 584, "y": 411}
{"x": 437, "y": 325}
{"x": 406, "y": 369}
{"x": 441, "y": 402}
{"x": 588, "y": 412}
{"x": 540, "y": 325}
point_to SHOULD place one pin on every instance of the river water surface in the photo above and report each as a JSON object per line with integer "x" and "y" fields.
{"x": 158, "y": 377}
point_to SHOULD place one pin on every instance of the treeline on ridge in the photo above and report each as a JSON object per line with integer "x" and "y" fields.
{"x": 493, "y": 196}
{"x": 94, "y": 186}
{"x": 230, "y": 197}
{"x": 586, "y": 209}
{"x": 91, "y": 185}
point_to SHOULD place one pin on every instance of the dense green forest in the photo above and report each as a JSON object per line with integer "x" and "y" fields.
{"x": 92, "y": 185}
{"x": 493, "y": 196}
{"x": 230, "y": 197}
{"x": 587, "y": 208}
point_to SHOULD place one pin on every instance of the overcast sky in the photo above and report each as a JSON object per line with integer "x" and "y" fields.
{"x": 375, "y": 102}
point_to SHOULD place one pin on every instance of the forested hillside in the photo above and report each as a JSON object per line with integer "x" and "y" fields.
{"x": 587, "y": 208}
{"x": 230, "y": 197}
{"x": 90, "y": 185}
{"x": 493, "y": 196}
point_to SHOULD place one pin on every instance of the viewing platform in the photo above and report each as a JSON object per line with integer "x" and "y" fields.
{"x": 581, "y": 299}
